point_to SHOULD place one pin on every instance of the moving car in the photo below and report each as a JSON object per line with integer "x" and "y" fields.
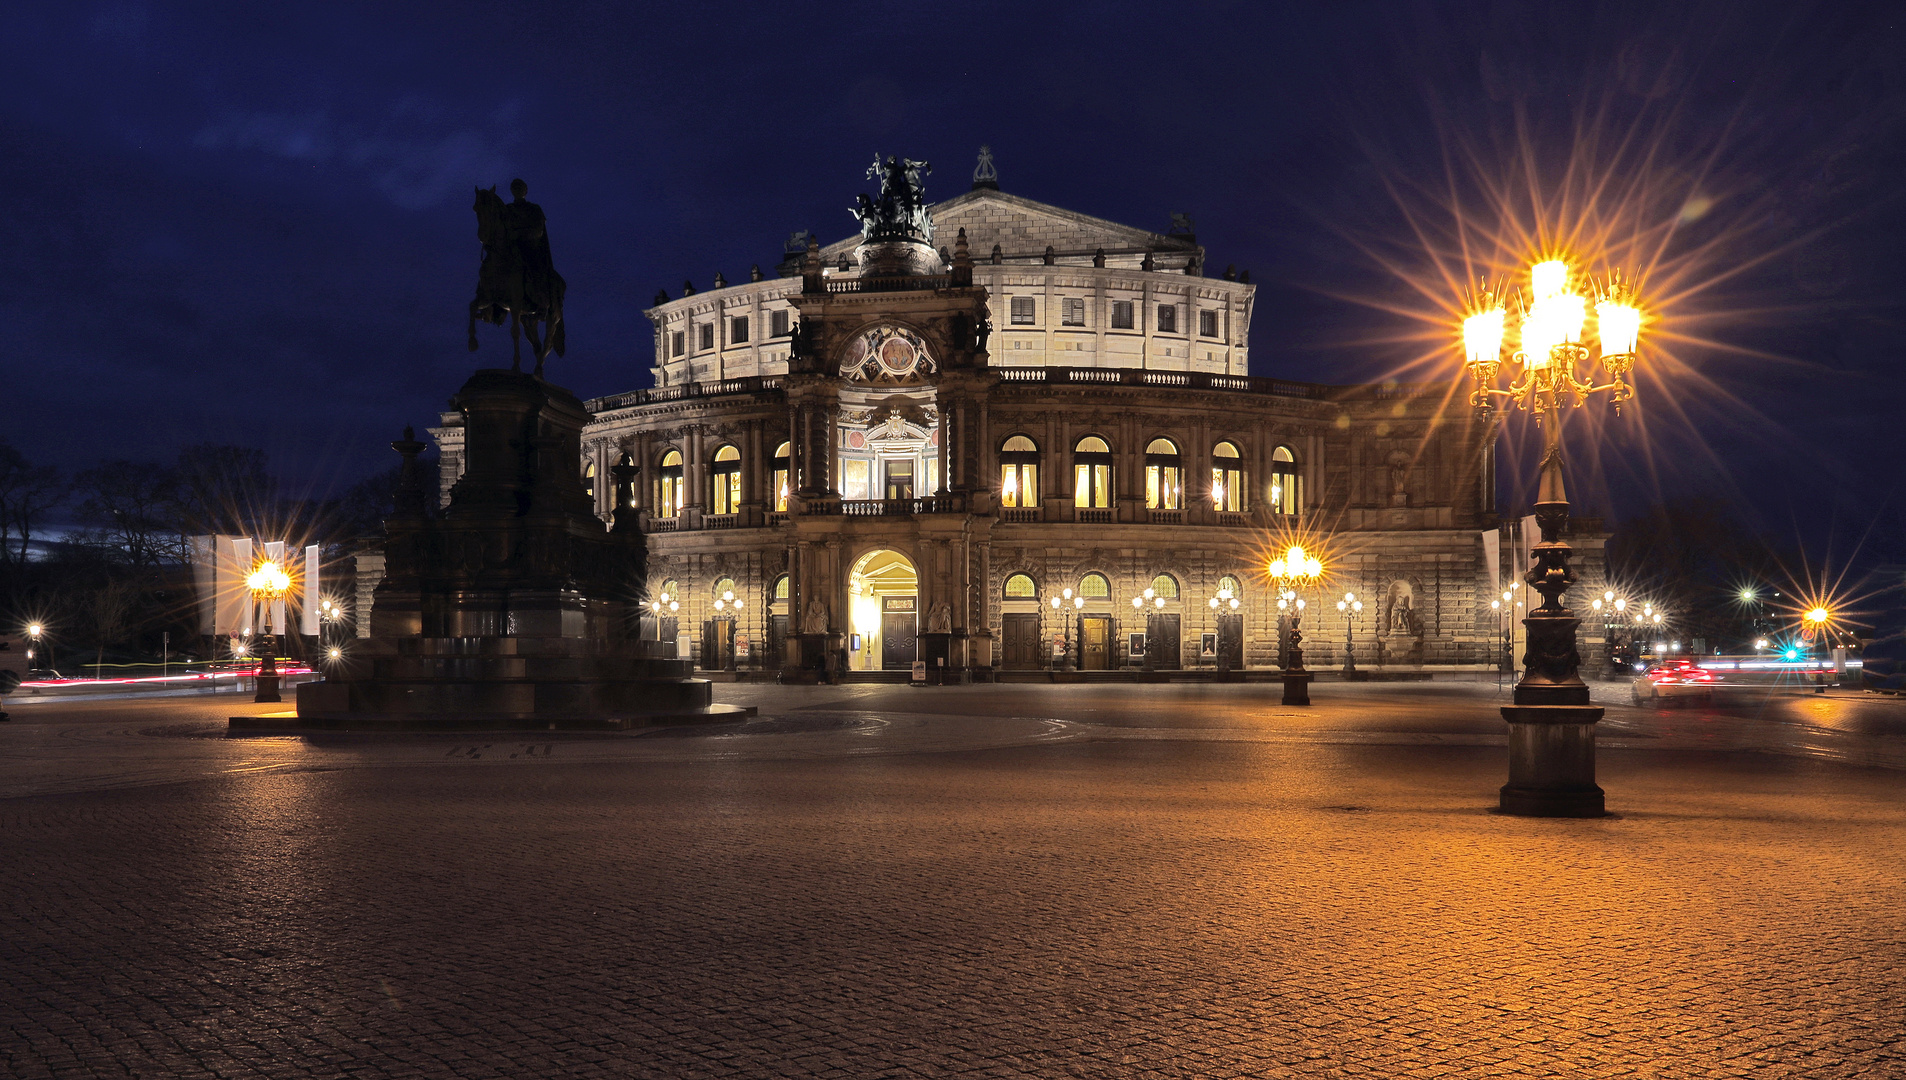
{"x": 1674, "y": 680}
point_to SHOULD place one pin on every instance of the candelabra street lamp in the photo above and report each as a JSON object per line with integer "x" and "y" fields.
{"x": 1293, "y": 572}
{"x": 1551, "y": 724}
{"x": 1351, "y": 608}
{"x": 1230, "y": 627}
{"x": 727, "y": 609}
{"x": 1152, "y": 605}
{"x": 1076, "y": 604}
{"x": 268, "y": 585}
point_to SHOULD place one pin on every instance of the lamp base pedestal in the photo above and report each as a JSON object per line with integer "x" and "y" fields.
{"x": 1552, "y": 761}
{"x": 1297, "y": 687}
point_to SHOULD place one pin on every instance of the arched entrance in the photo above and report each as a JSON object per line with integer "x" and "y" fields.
{"x": 884, "y": 612}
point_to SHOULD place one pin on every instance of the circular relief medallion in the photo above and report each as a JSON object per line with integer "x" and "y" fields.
{"x": 856, "y": 440}
{"x": 898, "y": 356}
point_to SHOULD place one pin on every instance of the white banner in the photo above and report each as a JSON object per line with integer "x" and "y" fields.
{"x": 231, "y": 587}
{"x": 308, "y": 618}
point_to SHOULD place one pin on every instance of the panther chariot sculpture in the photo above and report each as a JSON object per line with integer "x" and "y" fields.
{"x": 516, "y": 281}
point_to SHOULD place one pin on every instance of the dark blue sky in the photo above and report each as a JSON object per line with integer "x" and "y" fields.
{"x": 251, "y": 223}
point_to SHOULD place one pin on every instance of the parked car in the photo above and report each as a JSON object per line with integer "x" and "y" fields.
{"x": 1674, "y": 680}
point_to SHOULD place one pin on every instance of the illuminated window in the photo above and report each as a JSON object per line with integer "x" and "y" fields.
{"x": 1095, "y": 587}
{"x": 723, "y": 586}
{"x": 726, "y": 478}
{"x": 1022, "y": 311}
{"x": 668, "y": 493}
{"x": 1287, "y": 487}
{"x": 1072, "y": 311}
{"x": 1164, "y": 476}
{"x": 1228, "y": 586}
{"x": 1166, "y": 586}
{"x": 671, "y": 589}
{"x": 1168, "y": 318}
{"x": 856, "y": 478}
{"x": 1227, "y": 478}
{"x": 781, "y": 588}
{"x": 1019, "y": 472}
{"x": 738, "y": 330}
{"x": 781, "y": 478}
{"x": 589, "y": 479}
{"x": 1121, "y": 314}
{"x": 1021, "y": 587}
{"x": 1092, "y": 473}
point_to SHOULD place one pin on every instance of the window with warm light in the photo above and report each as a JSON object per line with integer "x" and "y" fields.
{"x": 1021, "y": 587}
{"x": 1228, "y": 587}
{"x": 1019, "y": 472}
{"x": 725, "y": 475}
{"x": 1095, "y": 587}
{"x": 1287, "y": 487}
{"x": 781, "y": 478}
{"x": 1164, "y": 476}
{"x": 589, "y": 480}
{"x": 1165, "y": 587}
{"x": 1227, "y": 478}
{"x": 1092, "y": 473}
{"x": 668, "y": 486}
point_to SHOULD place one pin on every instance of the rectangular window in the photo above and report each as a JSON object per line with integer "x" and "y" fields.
{"x": 899, "y": 479}
{"x": 1019, "y": 484}
{"x": 1121, "y": 314}
{"x": 738, "y": 330}
{"x": 1073, "y": 311}
{"x": 1022, "y": 311}
{"x": 1092, "y": 486}
{"x": 778, "y": 322}
{"x": 727, "y": 492}
{"x": 678, "y": 341}
{"x": 1207, "y": 324}
{"x": 708, "y": 335}
{"x": 854, "y": 476}
{"x": 1168, "y": 318}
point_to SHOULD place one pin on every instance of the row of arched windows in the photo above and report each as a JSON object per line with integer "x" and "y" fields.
{"x": 724, "y": 482}
{"x": 1165, "y": 476}
{"x": 1095, "y": 586}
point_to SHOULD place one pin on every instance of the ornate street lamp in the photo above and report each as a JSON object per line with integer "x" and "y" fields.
{"x": 36, "y": 656}
{"x": 1225, "y": 607}
{"x": 1294, "y": 571}
{"x": 1814, "y": 624}
{"x": 726, "y": 620}
{"x": 1152, "y": 605}
{"x": 1351, "y": 608}
{"x": 268, "y": 585}
{"x": 1551, "y": 724}
{"x": 1076, "y": 603}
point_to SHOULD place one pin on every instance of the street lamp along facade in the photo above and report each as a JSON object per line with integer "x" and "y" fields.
{"x": 1293, "y": 571}
{"x": 268, "y": 583}
{"x": 1551, "y": 724}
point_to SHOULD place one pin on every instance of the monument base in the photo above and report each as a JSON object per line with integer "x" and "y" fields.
{"x": 1297, "y": 687}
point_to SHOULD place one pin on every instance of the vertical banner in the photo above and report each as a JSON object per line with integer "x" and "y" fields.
{"x": 242, "y": 607}
{"x": 308, "y": 618}
{"x": 275, "y": 551}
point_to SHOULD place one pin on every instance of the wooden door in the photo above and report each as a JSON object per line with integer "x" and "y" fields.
{"x": 1020, "y": 650}
{"x": 1163, "y": 646}
{"x": 1095, "y": 643}
{"x": 899, "y": 633}
{"x": 777, "y": 641}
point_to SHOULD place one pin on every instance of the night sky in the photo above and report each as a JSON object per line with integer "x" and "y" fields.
{"x": 251, "y": 223}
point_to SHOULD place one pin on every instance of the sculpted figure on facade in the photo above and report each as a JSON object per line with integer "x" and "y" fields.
{"x": 900, "y": 210}
{"x": 815, "y": 620}
{"x": 1399, "y": 478}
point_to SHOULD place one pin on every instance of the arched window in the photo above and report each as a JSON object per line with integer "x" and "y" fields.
{"x": 1095, "y": 587}
{"x": 1092, "y": 473}
{"x": 781, "y": 475}
{"x": 1228, "y": 587}
{"x": 589, "y": 479}
{"x": 726, "y": 477}
{"x": 1019, "y": 472}
{"x": 1164, "y": 476}
{"x": 1166, "y": 586}
{"x": 1287, "y": 487}
{"x": 723, "y": 586}
{"x": 1021, "y": 587}
{"x": 671, "y": 590}
{"x": 1227, "y": 478}
{"x": 668, "y": 493}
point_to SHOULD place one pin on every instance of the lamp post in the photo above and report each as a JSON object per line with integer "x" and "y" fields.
{"x": 726, "y": 624}
{"x": 1813, "y": 625}
{"x": 36, "y": 651}
{"x": 268, "y": 585}
{"x": 1225, "y": 607}
{"x": 1351, "y": 608}
{"x": 1151, "y": 604}
{"x": 1551, "y": 724}
{"x": 1294, "y": 571}
{"x": 1076, "y": 603}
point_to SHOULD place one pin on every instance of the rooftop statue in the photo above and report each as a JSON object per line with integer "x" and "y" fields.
{"x": 517, "y": 281}
{"x": 900, "y": 211}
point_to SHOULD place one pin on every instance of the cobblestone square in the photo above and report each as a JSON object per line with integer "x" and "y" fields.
{"x": 876, "y": 881}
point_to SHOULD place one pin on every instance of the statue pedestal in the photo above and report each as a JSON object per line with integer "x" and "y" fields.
{"x": 516, "y": 609}
{"x": 1552, "y": 761}
{"x": 1297, "y": 687}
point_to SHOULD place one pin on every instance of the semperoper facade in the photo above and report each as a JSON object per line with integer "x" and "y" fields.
{"x": 905, "y": 444}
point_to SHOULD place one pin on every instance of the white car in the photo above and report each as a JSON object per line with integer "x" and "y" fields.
{"x": 1674, "y": 680}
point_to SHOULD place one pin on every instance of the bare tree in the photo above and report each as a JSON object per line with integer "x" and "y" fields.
{"x": 27, "y": 492}
{"x": 133, "y": 510}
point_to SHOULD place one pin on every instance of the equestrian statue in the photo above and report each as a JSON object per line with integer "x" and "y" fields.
{"x": 516, "y": 280}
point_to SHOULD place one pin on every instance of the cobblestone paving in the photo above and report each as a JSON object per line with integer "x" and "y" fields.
{"x": 1054, "y": 905}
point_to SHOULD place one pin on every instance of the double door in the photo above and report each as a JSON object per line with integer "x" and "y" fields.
{"x": 899, "y": 633}
{"x": 1019, "y": 651}
{"x": 1095, "y": 643}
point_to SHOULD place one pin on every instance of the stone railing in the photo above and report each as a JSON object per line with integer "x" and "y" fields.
{"x": 1167, "y": 517}
{"x": 1090, "y": 516}
{"x": 1019, "y": 513}
{"x": 892, "y": 283}
{"x": 1204, "y": 380}
{"x": 720, "y": 521}
{"x": 753, "y": 384}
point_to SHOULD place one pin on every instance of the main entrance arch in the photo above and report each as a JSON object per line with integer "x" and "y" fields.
{"x": 883, "y": 596}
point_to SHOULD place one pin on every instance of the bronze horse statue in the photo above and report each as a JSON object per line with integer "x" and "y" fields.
{"x": 517, "y": 281}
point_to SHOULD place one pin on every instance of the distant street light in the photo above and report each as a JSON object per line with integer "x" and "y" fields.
{"x": 1351, "y": 607}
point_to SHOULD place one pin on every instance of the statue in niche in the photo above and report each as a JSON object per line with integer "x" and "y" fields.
{"x": 1399, "y": 610}
{"x": 815, "y": 619}
{"x": 1399, "y": 478}
{"x": 940, "y": 619}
